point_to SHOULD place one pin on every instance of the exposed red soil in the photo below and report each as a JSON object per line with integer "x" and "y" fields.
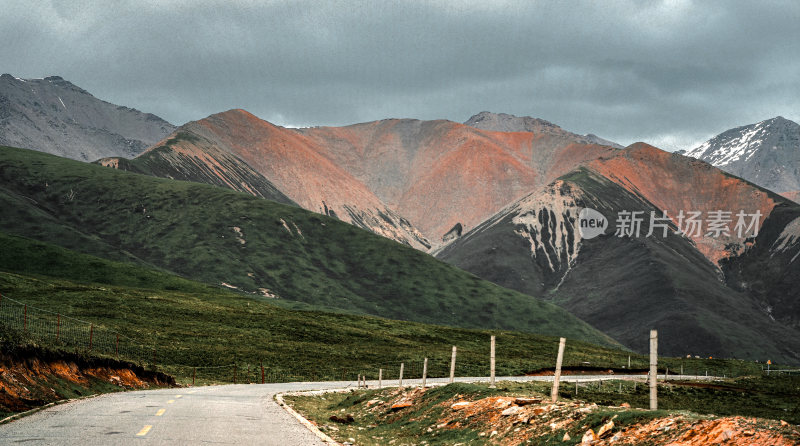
{"x": 27, "y": 381}
{"x": 509, "y": 420}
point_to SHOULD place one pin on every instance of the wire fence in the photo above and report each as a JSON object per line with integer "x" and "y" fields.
{"x": 68, "y": 333}
{"x": 62, "y": 331}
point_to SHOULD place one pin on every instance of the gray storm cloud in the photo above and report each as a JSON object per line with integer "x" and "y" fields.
{"x": 670, "y": 73}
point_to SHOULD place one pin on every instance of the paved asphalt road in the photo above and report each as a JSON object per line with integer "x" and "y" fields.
{"x": 231, "y": 414}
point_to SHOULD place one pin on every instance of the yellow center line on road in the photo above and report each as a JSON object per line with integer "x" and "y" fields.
{"x": 170, "y": 401}
{"x": 178, "y": 396}
{"x": 144, "y": 430}
{"x": 193, "y": 391}
{"x": 160, "y": 412}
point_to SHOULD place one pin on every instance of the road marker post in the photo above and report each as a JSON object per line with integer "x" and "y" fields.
{"x": 453, "y": 366}
{"x": 400, "y": 381}
{"x": 424, "y": 372}
{"x": 491, "y": 364}
{"x": 559, "y": 359}
{"x": 262, "y": 372}
{"x": 653, "y": 369}
{"x": 380, "y": 378}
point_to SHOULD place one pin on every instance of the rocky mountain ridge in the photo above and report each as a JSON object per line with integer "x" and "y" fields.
{"x": 53, "y": 115}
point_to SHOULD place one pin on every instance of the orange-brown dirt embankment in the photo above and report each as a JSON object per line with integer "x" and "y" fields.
{"x": 30, "y": 378}
{"x": 509, "y": 420}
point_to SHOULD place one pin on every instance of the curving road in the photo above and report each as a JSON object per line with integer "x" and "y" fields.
{"x": 229, "y": 414}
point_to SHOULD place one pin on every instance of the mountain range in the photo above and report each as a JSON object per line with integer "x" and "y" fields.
{"x": 498, "y": 196}
{"x": 409, "y": 180}
{"x": 445, "y": 178}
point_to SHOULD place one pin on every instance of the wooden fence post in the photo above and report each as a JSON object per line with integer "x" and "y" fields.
{"x": 453, "y": 366}
{"x": 262, "y": 372}
{"x": 424, "y": 372}
{"x": 653, "y": 369}
{"x": 194, "y": 374}
{"x": 491, "y": 364}
{"x": 557, "y": 377}
{"x": 380, "y": 378}
{"x": 234, "y": 373}
{"x": 401, "y": 375}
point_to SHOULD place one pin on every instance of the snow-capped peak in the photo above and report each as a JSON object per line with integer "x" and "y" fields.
{"x": 734, "y": 145}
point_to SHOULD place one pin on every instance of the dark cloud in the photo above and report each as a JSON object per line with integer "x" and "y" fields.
{"x": 670, "y": 73}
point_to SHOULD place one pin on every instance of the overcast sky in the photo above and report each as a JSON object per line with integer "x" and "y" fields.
{"x": 670, "y": 73}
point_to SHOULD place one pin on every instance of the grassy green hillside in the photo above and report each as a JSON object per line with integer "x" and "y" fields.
{"x": 218, "y": 236}
{"x": 195, "y": 325}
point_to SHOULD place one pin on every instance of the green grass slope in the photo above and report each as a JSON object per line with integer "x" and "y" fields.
{"x": 217, "y": 236}
{"x": 199, "y": 326}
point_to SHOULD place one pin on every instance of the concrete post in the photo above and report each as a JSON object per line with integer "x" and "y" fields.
{"x": 400, "y": 384}
{"x": 453, "y": 366}
{"x": 653, "y": 369}
{"x": 424, "y": 372}
{"x": 491, "y": 364}
{"x": 559, "y": 359}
